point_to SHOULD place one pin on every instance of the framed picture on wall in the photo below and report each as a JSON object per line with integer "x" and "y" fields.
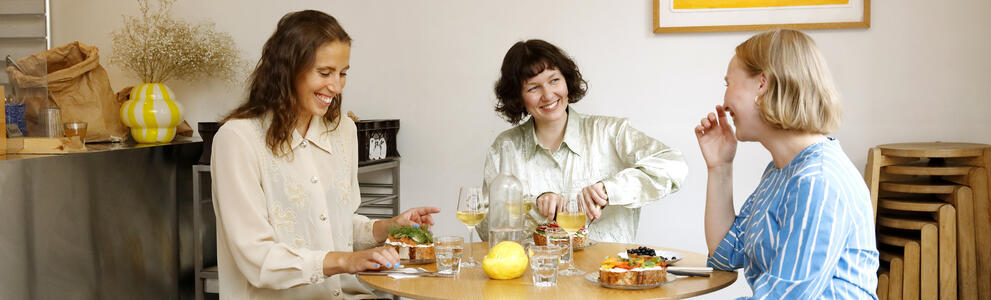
{"x": 671, "y": 16}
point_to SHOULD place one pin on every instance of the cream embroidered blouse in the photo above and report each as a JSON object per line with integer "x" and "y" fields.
{"x": 278, "y": 216}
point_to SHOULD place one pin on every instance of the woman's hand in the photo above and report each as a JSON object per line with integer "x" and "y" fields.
{"x": 718, "y": 144}
{"x": 416, "y": 217}
{"x": 549, "y": 204}
{"x": 595, "y": 199}
{"x": 419, "y": 216}
{"x": 365, "y": 260}
{"x": 716, "y": 139}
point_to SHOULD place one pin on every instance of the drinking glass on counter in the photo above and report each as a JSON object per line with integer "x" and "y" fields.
{"x": 471, "y": 211}
{"x": 571, "y": 219}
{"x": 72, "y": 129}
{"x": 544, "y": 261}
{"x": 447, "y": 250}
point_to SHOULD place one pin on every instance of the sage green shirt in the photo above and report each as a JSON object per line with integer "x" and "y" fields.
{"x": 636, "y": 170}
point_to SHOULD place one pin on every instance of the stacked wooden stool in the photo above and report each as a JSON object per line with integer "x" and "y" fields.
{"x": 933, "y": 219}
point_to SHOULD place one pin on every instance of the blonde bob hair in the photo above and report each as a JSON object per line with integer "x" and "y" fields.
{"x": 800, "y": 93}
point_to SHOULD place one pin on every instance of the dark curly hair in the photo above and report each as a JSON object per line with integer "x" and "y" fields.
{"x": 290, "y": 50}
{"x": 525, "y": 60}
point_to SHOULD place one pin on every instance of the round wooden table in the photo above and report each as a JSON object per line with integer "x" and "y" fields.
{"x": 472, "y": 283}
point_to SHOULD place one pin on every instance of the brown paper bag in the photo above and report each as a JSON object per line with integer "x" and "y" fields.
{"x": 79, "y": 86}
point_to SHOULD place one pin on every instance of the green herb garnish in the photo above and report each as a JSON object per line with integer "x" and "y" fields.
{"x": 419, "y": 235}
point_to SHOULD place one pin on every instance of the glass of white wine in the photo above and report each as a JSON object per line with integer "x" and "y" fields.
{"x": 571, "y": 219}
{"x": 472, "y": 208}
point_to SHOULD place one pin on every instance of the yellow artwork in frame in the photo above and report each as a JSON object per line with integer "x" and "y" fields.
{"x": 673, "y": 16}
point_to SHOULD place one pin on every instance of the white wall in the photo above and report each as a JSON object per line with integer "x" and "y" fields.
{"x": 920, "y": 73}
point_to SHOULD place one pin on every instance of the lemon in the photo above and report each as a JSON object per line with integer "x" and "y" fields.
{"x": 507, "y": 260}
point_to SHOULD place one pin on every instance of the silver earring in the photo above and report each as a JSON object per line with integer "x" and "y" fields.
{"x": 755, "y": 100}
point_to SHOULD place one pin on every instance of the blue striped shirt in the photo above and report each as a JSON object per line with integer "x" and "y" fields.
{"x": 806, "y": 232}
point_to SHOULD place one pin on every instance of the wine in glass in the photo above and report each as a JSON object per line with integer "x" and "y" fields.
{"x": 571, "y": 219}
{"x": 472, "y": 208}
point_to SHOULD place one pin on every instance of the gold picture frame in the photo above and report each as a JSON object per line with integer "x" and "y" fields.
{"x": 679, "y": 16}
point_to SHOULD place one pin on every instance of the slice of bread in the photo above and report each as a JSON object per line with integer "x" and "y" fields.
{"x": 411, "y": 252}
{"x": 633, "y": 277}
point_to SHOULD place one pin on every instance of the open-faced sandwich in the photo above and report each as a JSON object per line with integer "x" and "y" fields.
{"x": 641, "y": 266}
{"x": 413, "y": 244}
{"x": 547, "y": 232}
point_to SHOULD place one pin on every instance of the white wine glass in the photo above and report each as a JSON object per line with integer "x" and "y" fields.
{"x": 472, "y": 208}
{"x": 571, "y": 219}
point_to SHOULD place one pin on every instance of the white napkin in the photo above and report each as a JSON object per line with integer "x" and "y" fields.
{"x": 404, "y": 273}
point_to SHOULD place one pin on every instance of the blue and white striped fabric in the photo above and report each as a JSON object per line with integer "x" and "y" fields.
{"x": 806, "y": 232}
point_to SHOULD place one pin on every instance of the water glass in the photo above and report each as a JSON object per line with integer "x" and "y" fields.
{"x": 560, "y": 239}
{"x": 448, "y": 251}
{"x": 544, "y": 261}
{"x": 52, "y": 121}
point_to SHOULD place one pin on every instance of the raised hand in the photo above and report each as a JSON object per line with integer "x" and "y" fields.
{"x": 418, "y": 216}
{"x": 716, "y": 139}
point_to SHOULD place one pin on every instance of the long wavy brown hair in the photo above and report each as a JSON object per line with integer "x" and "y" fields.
{"x": 289, "y": 51}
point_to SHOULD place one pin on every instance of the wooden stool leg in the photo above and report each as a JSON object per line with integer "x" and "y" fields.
{"x": 910, "y": 285}
{"x": 872, "y": 175}
{"x": 929, "y": 262}
{"x": 982, "y": 216}
{"x": 977, "y": 181}
{"x": 962, "y": 200}
{"x": 947, "y": 252}
{"x": 882, "y": 286}
{"x": 896, "y": 281}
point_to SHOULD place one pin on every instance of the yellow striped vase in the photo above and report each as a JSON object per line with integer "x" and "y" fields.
{"x": 152, "y": 114}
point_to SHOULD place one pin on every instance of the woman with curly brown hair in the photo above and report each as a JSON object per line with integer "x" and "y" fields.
{"x": 617, "y": 168}
{"x": 284, "y": 167}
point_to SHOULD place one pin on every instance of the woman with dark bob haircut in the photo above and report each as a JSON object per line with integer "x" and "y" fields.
{"x": 284, "y": 167}
{"x": 615, "y": 168}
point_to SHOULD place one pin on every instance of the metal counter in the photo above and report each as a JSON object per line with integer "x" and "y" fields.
{"x": 106, "y": 224}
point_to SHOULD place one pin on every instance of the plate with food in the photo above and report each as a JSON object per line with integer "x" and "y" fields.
{"x": 556, "y": 235}
{"x": 669, "y": 256}
{"x": 414, "y": 244}
{"x": 636, "y": 271}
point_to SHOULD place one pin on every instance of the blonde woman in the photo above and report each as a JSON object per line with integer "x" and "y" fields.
{"x": 806, "y": 232}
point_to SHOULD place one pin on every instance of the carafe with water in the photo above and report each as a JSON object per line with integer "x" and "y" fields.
{"x": 505, "y": 200}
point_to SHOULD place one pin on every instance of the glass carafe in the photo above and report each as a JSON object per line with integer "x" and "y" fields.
{"x": 505, "y": 195}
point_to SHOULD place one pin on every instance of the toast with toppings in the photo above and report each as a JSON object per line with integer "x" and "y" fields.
{"x": 411, "y": 243}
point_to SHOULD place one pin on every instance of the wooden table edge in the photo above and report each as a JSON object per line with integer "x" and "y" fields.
{"x": 717, "y": 287}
